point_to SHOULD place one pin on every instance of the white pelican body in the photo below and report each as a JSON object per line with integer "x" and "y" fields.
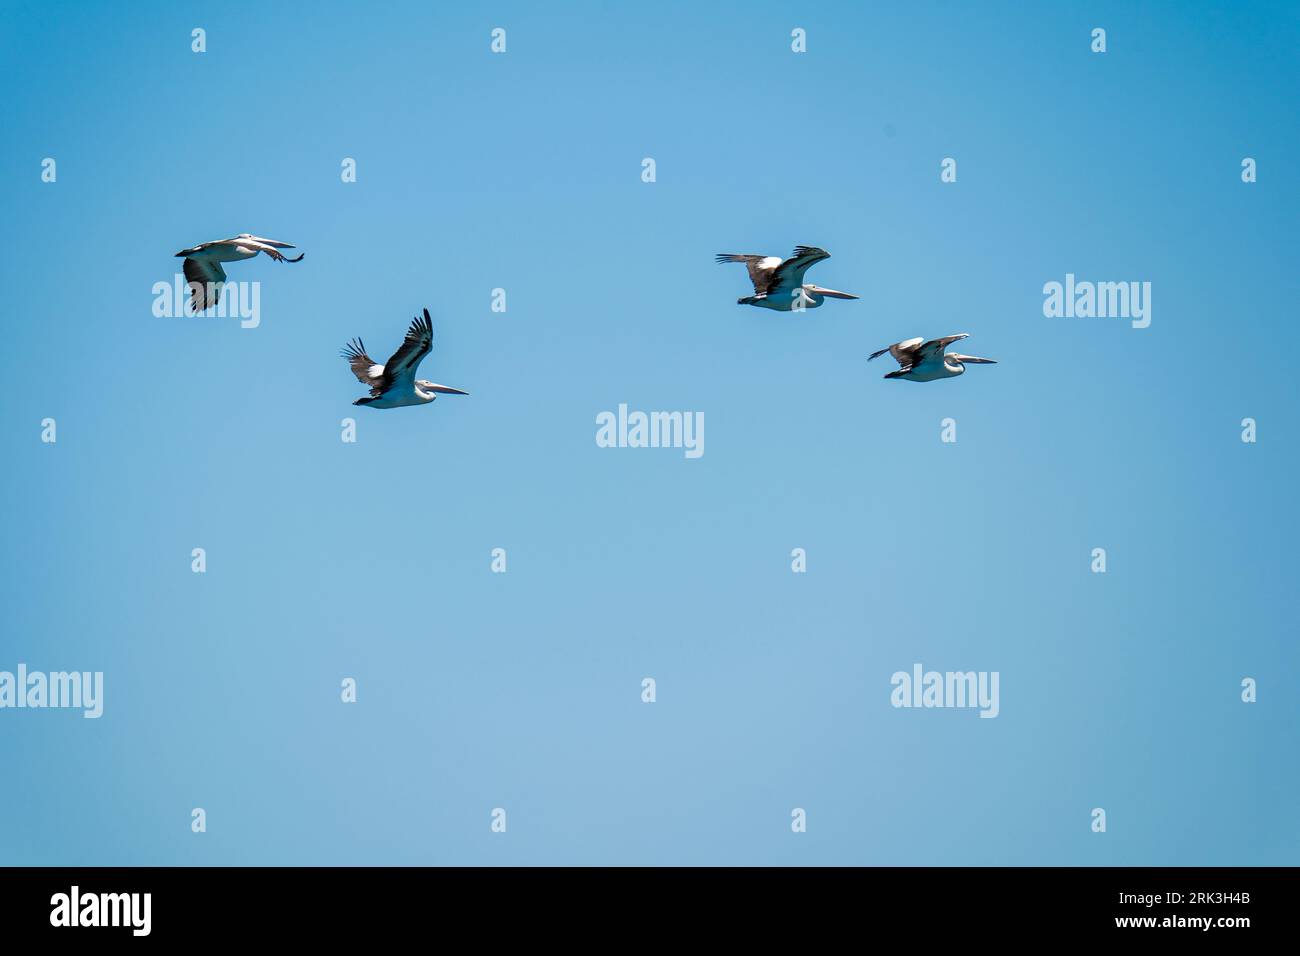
{"x": 203, "y": 269}
{"x": 393, "y": 384}
{"x": 779, "y": 285}
{"x": 921, "y": 361}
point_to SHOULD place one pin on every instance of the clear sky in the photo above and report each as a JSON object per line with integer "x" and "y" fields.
{"x": 522, "y": 171}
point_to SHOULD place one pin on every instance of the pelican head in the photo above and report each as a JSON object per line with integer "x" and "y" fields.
{"x": 426, "y": 386}
{"x": 275, "y": 243}
{"x": 818, "y": 290}
{"x": 964, "y": 360}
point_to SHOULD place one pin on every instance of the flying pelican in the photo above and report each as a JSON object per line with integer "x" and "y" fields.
{"x": 926, "y": 361}
{"x": 779, "y": 285}
{"x": 394, "y": 384}
{"x": 203, "y": 269}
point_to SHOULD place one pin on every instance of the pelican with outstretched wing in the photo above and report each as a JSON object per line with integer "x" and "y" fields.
{"x": 393, "y": 384}
{"x": 920, "y": 361}
{"x": 203, "y": 271}
{"x": 779, "y": 284}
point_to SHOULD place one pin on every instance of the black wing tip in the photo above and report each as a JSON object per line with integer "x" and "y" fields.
{"x": 421, "y": 325}
{"x": 811, "y": 251}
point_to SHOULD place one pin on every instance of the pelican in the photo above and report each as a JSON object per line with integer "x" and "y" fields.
{"x": 203, "y": 269}
{"x": 779, "y": 285}
{"x": 926, "y": 361}
{"x": 393, "y": 384}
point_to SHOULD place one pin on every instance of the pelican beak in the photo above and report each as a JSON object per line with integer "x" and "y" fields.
{"x": 836, "y": 295}
{"x": 447, "y": 390}
{"x": 972, "y": 360}
{"x": 273, "y": 242}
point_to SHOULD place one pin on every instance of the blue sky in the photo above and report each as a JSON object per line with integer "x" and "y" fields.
{"x": 521, "y": 690}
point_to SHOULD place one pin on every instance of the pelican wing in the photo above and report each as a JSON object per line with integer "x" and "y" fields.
{"x": 366, "y": 369}
{"x": 789, "y": 274}
{"x": 207, "y": 245}
{"x": 204, "y": 277}
{"x": 417, "y": 344}
{"x": 251, "y": 243}
{"x": 934, "y": 348}
{"x": 904, "y": 353}
{"x": 270, "y": 247}
{"x": 762, "y": 269}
